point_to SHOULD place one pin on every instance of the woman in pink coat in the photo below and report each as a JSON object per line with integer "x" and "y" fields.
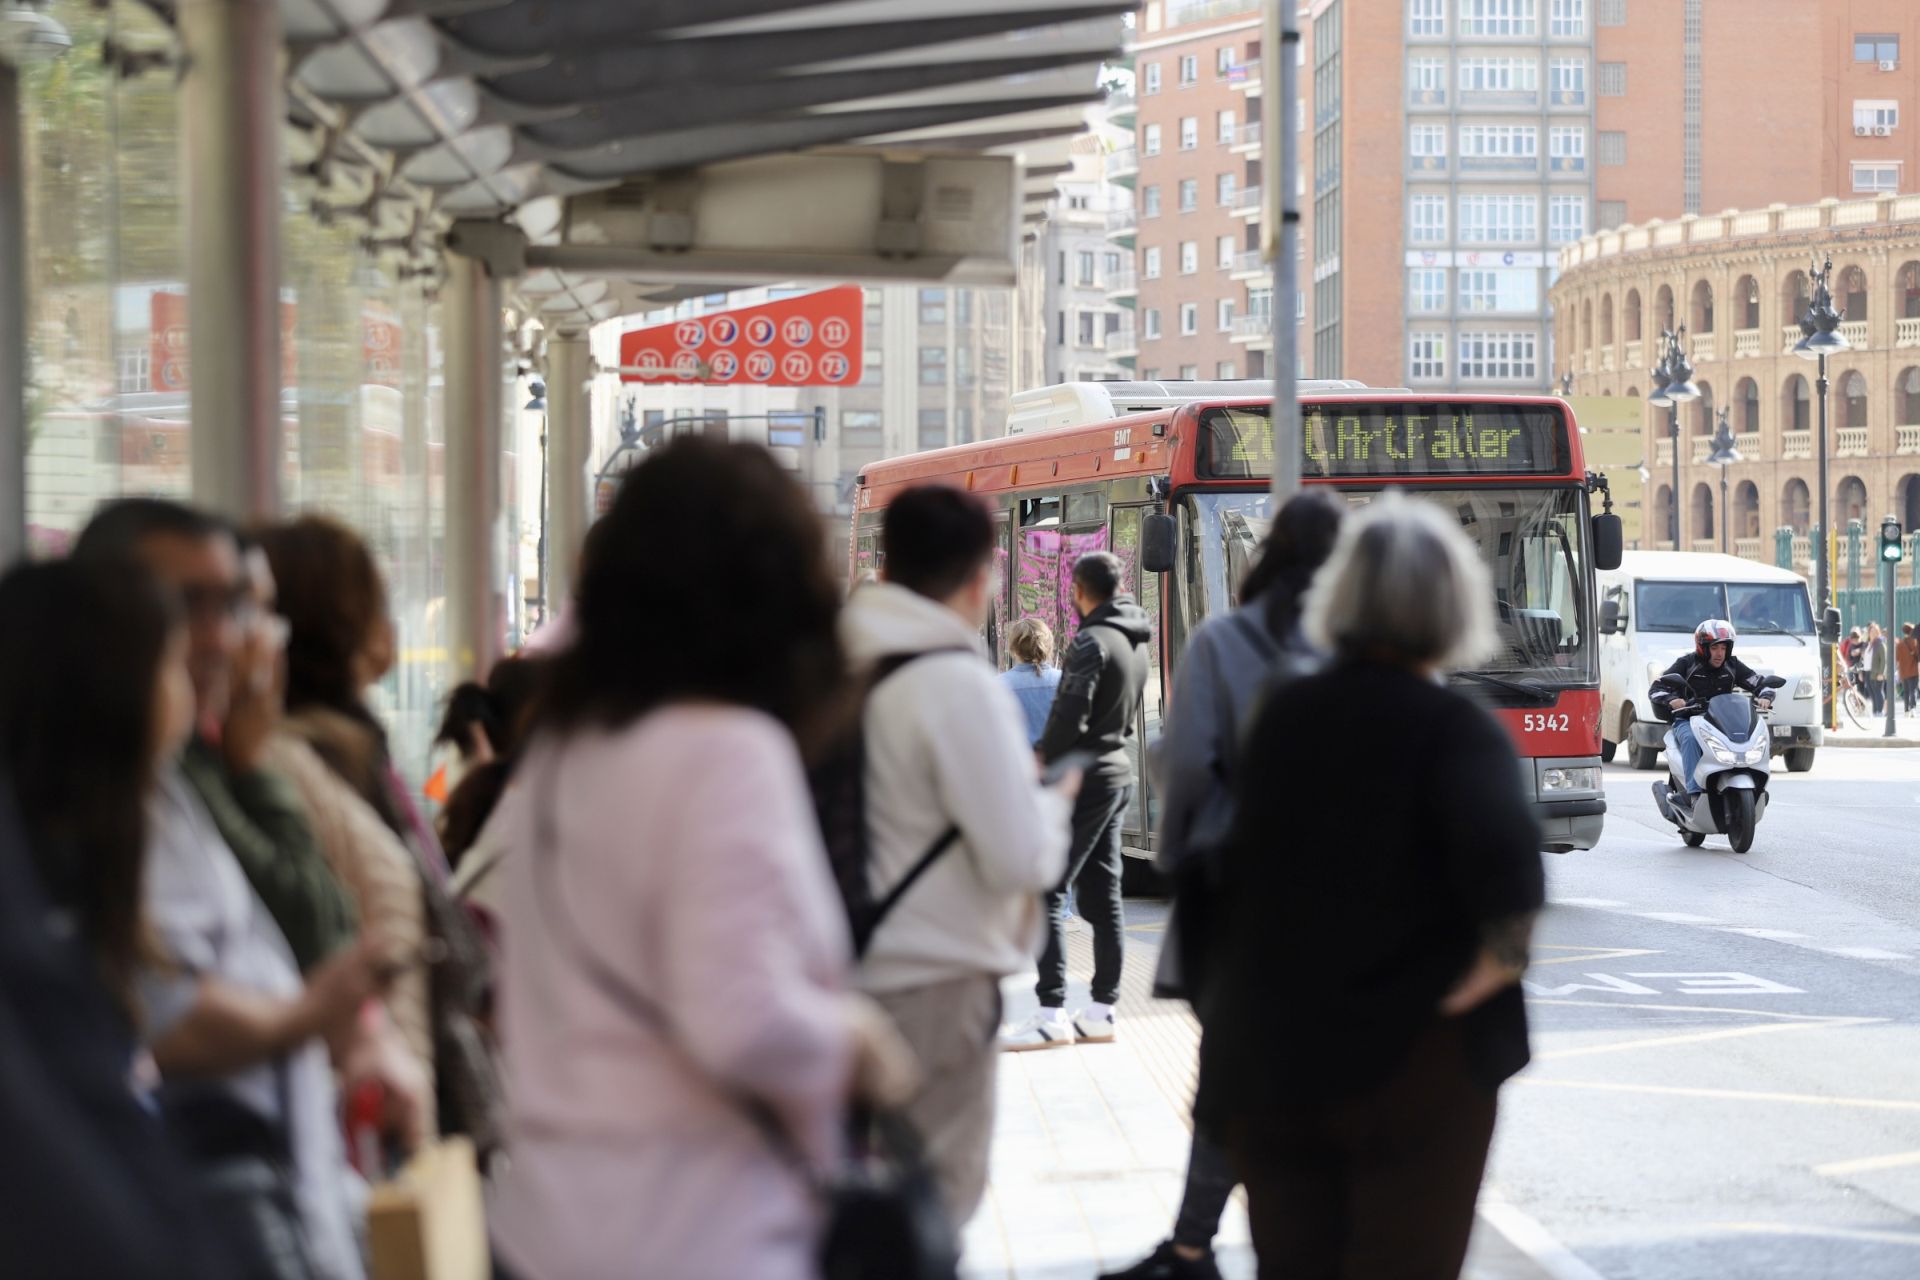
{"x": 673, "y": 949}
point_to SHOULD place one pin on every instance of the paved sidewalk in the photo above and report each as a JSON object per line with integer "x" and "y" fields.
{"x": 1090, "y": 1146}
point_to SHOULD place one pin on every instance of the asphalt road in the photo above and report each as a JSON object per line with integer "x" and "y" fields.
{"x": 1727, "y": 1047}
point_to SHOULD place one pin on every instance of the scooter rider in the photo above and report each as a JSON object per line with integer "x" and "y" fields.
{"x": 1696, "y": 678}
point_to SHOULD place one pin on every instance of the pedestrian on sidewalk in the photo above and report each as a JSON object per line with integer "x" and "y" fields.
{"x": 1231, "y": 662}
{"x": 1359, "y": 1109}
{"x": 950, "y": 775}
{"x": 673, "y": 1012}
{"x": 1878, "y": 662}
{"x": 1033, "y": 677}
{"x": 1094, "y": 712}
{"x": 1908, "y": 657}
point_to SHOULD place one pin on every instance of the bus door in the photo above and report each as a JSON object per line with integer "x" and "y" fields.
{"x": 1143, "y": 815}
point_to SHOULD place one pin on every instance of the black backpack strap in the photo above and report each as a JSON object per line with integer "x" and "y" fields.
{"x": 884, "y": 908}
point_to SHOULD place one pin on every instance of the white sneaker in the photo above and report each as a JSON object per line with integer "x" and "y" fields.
{"x": 1094, "y": 1026}
{"x": 1047, "y": 1029}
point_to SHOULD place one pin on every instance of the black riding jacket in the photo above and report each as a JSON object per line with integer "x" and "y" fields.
{"x": 1696, "y": 679}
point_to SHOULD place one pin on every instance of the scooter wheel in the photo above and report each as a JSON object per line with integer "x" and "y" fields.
{"x": 1694, "y": 839}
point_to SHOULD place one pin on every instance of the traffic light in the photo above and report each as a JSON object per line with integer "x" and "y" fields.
{"x": 1892, "y": 549}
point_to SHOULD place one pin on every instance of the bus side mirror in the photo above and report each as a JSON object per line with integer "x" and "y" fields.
{"x": 1830, "y": 626}
{"x": 1159, "y": 538}
{"x": 1610, "y": 622}
{"x": 1609, "y": 541}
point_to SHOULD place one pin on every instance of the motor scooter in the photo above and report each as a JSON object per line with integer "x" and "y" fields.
{"x": 1736, "y": 762}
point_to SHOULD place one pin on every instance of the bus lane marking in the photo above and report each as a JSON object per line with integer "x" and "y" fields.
{"x": 1726, "y": 1095}
{"x": 1696, "y": 1037}
{"x": 1868, "y": 1164}
{"x": 1585, "y": 953}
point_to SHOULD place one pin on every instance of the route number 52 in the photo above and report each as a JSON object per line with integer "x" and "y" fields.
{"x": 1546, "y": 722}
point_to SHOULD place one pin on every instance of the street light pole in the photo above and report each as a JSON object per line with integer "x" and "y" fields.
{"x": 1821, "y": 337}
{"x": 1725, "y": 454}
{"x": 1674, "y": 376}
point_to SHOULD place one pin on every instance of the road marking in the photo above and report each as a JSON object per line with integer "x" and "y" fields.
{"x": 1711, "y": 1008}
{"x": 1601, "y": 982}
{"x": 1695, "y": 1037}
{"x": 1727, "y": 1095}
{"x": 1909, "y": 1238}
{"x": 1846, "y": 1168}
{"x": 1587, "y": 902}
{"x": 1724, "y": 983}
{"x": 1780, "y": 934}
{"x": 1587, "y": 953}
{"x": 1526, "y": 1234}
{"x": 1676, "y": 917}
{"x": 1865, "y": 953}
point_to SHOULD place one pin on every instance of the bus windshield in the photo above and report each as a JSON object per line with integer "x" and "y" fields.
{"x": 1529, "y": 538}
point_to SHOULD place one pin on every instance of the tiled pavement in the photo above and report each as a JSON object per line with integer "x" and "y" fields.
{"x": 1090, "y": 1146}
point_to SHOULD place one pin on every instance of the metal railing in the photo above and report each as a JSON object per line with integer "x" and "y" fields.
{"x": 1248, "y": 134}
{"x": 1123, "y": 160}
{"x": 1124, "y": 280}
{"x": 1257, "y": 325}
{"x": 1249, "y": 261}
{"x": 1121, "y": 221}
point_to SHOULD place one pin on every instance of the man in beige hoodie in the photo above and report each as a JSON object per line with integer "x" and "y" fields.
{"x": 946, "y": 748}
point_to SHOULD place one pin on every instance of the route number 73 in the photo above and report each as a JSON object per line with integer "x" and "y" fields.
{"x": 1546, "y": 722}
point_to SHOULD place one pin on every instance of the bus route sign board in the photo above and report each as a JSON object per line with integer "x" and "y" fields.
{"x": 814, "y": 340}
{"x": 1359, "y": 440}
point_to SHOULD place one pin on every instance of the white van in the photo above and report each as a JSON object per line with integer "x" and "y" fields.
{"x": 1649, "y": 607}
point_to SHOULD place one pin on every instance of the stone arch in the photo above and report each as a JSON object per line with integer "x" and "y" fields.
{"x": 1850, "y": 502}
{"x": 1632, "y": 317}
{"x": 1850, "y": 291}
{"x": 1906, "y": 501}
{"x": 1700, "y": 512}
{"x": 1795, "y": 295}
{"x": 1663, "y": 309}
{"x": 1606, "y": 320}
{"x": 1700, "y": 308}
{"x": 1852, "y": 386}
{"x": 1796, "y": 403}
{"x": 1796, "y": 506}
{"x": 1746, "y": 303}
{"x": 1746, "y": 509}
{"x": 1906, "y": 397}
{"x": 1662, "y": 527}
{"x": 1586, "y": 325}
{"x": 1906, "y": 291}
{"x": 1746, "y": 406}
{"x": 1702, "y": 410}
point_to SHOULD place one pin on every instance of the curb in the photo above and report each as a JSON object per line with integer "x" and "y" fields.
{"x": 1870, "y": 742}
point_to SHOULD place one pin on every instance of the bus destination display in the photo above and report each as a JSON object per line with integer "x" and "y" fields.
{"x": 1360, "y": 440}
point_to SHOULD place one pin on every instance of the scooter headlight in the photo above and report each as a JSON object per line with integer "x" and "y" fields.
{"x": 1756, "y": 754}
{"x": 1720, "y": 753}
{"x": 1805, "y": 689}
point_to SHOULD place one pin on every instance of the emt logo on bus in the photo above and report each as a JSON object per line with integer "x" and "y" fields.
{"x": 1360, "y": 440}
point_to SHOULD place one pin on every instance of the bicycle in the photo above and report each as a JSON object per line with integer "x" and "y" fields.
{"x": 1854, "y": 700}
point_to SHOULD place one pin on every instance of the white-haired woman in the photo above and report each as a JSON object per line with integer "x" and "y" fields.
{"x": 1384, "y": 874}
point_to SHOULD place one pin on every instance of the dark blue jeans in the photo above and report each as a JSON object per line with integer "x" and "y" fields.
{"x": 1093, "y": 872}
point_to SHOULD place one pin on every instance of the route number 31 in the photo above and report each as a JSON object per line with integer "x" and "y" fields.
{"x": 1546, "y": 722}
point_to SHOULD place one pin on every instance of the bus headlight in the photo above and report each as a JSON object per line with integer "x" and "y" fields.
{"x": 1581, "y": 779}
{"x": 1805, "y": 689}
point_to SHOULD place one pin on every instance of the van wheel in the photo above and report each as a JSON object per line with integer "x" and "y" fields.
{"x": 1799, "y": 759}
{"x": 1645, "y": 758}
{"x": 1608, "y": 750}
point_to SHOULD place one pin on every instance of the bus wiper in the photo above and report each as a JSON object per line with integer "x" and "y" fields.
{"x": 1526, "y": 688}
{"x": 1774, "y": 629}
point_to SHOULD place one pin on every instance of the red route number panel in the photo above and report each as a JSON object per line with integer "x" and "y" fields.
{"x": 814, "y": 340}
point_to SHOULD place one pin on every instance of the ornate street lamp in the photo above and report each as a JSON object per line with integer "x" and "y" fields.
{"x": 1724, "y": 454}
{"x": 1673, "y": 387}
{"x": 1821, "y": 337}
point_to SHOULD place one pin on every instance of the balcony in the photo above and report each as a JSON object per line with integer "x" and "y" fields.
{"x": 1855, "y": 332}
{"x": 1123, "y": 165}
{"x": 1803, "y": 550}
{"x": 1703, "y": 347}
{"x": 1749, "y": 548}
{"x": 1702, "y": 446}
{"x": 1906, "y": 333}
{"x": 1246, "y": 138}
{"x": 1850, "y": 442}
{"x": 1746, "y": 344}
{"x": 1790, "y": 336}
{"x": 1796, "y": 444}
{"x": 1663, "y": 451}
{"x": 1122, "y": 106}
{"x": 1748, "y": 443}
{"x": 1246, "y": 202}
{"x": 1906, "y": 440}
{"x": 1251, "y": 265}
{"x": 1245, "y": 78}
{"x": 1123, "y": 343}
{"x": 1121, "y": 224}
{"x": 1254, "y": 330}
{"x": 1123, "y": 285}
{"x": 1608, "y": 356}
{"x": 1635, "y": 352}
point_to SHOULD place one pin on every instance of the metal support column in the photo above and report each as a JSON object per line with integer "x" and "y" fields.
{"x": 232, "y": 106}
{"x": 470, "y": 324}
{"x": 13, "y": 324}
{"x": 1823, "y": 564}
{"x": 1282, "y": 42}
{"x": 569, "y": 445}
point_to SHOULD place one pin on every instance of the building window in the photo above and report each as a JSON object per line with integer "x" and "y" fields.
{"x": 1612, "y": 147}
{"x": 1567, "y": 146}
{"x": 933, "y": 366}
{"x": 1150, "y": 375}
{"x": 1566, "y": 218}
{"x": 1613, "y": 80}
{"x": 1223, "y": 316}
{"x": 1499, "y": 18}
{"x": 1426, "y": 17}
{"x": 1083, "y": 263}
{"x": 1883, "y": 49}
{"x": 1189, "y": 194}
{"x": 1189, "y": 69}
{"x": 1503, "y": 141}
{"x": 1609, "y": 214}
{"x": 1225, "y": 371}
{"x": 1150, "y": 202}
{"x": 1613, "y": 13}
{"x": 1499, "y": 75}
{"x": 933, "y": 306}
{"x": 1088, "y": 328}
{"x": 1427, "y": 140}
{"x": 1499, "y": 219}
{"x": 860, "y": 429}
{"x": 1516, "y": 289}
{"x": 1427, "y": 290}
{"x": 1427, "y": 356}
{"x": 1189, "y": 257}
{"x": 1223, "y": 128}
{"x": 963, "y": 425}
{"x": 1150, "y": 322}
{"x": 1188, "y": 372}
{"x": 1569, "y": 19}
{"x": 1150, "y": 140}
{"x": 1875, "y": 116}
{"x": 1502, "y": 357}
{"x": 1189, "y": 318}
{"x": 1189, "y": 132}
{"x": 1428, "y": 221}
{"x": 933, "y": 428}
{"x": 1223, "y": 189}
{"x": 870, "y": 375}
{"x": 1112, "y": 262}
{"x": 1225, "y": 249}
{"x": 1426, "y": 75}
{"x": 1878, "y": 176}
{"x": 1150, "y": 262}
{"x": 1567, "y": 78}
{"x": 1223, "y": 59}
{"x": 1150, "y": 78}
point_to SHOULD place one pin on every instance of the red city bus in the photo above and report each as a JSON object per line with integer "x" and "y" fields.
{"x": 1180, "y": 491}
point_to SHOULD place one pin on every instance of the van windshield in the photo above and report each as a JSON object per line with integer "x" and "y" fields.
{"x": 1760, "y": 607}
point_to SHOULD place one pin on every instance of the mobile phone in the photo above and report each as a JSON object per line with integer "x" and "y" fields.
{"x": 1068, "y": 763}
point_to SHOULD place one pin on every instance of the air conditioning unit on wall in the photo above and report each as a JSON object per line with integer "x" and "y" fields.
{"x": 1860, "y": 131}
{"x": 1889, "y": 64}
{"x": 1881, "y": 131}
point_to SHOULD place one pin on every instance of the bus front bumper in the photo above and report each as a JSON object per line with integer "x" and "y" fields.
{"x": 1568, "y": 821}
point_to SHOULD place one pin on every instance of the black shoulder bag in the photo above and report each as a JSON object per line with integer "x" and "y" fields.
{"x": 884, "y": 1216}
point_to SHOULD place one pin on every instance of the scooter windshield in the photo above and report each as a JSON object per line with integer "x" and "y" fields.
{"x": 1732, "y": 714}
